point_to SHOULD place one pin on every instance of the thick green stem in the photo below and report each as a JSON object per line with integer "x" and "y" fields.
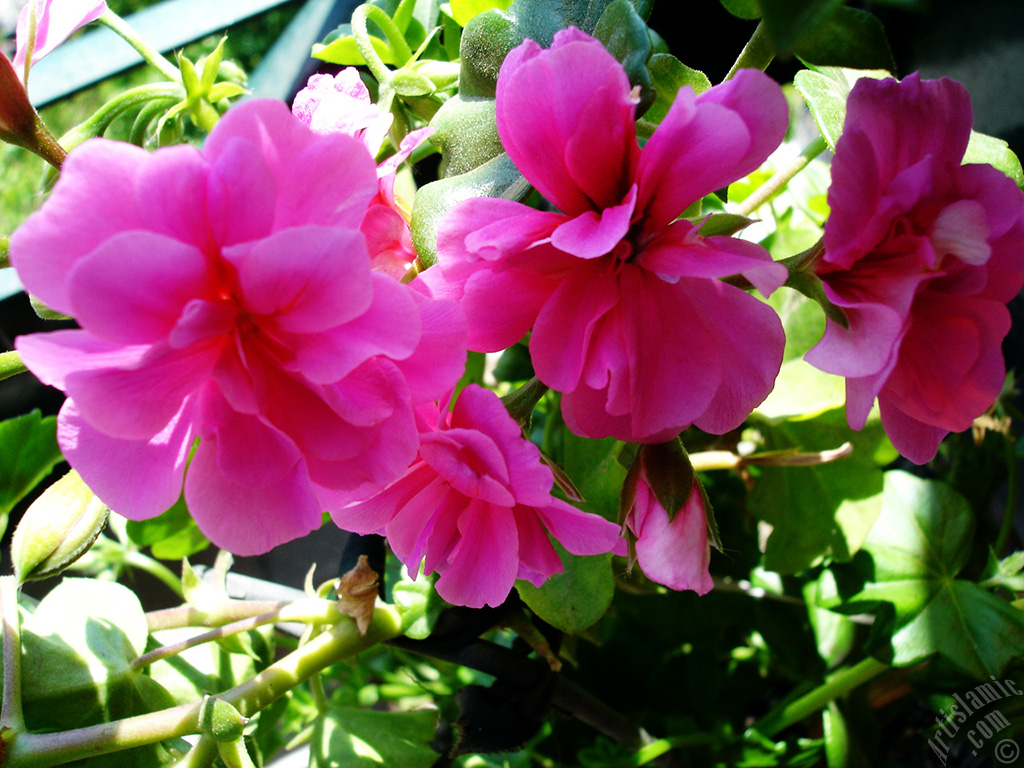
{"x": 152, "y": 57}
{"x": 775, "y": 184}
{"x": 42, "y": 750}
{"x": 11, "y": 716}
{"x": 1012, "y": 490}
{"x": 101, "y": 119}
{"x": 756, "y": 54}
{"x": 834, "y": 686}
{"x": 11, "y": 365}
{"x": 155, "y": 569}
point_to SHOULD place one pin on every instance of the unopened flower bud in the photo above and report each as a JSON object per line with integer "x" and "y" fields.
{"x": 220, "y": 720}
{"x": 19, "y": 123}
{"x": 57, "y": 529}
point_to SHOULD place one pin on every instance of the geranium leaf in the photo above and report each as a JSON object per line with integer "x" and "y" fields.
{"x": 360, "y": 738}
{"x": 28, "y": 452}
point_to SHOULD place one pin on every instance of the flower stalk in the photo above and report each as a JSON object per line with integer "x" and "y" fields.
{"x": 152, "y": 57}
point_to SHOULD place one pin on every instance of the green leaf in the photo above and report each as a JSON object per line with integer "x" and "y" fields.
{"x": 850, "y": 38}
{"x": 345, "y": 737}
{"x": 172, "y": 535}
{"x": 825, "y": 89}
{"x": 824, "y": 510}
{"x": 668, "y": 75}
{"x": 743, "y": 9}
{"x": 576, "y": 598}
{"x": 28, "y": 453}
{"x": 834, "y": 633}
{"x": 996, "y": 152}
{"x": 800, "y": 389}
{"x": 78, "y": 645}
{"x": 495, "y": 178}
{"x": 625, "y": 36}
{"x": 920, "y": 542}
{"x": 417, "y": 604}
{"x": 464, "y": 10}
{"x": 342, "y": 50}
{"x": 789, "y": 22}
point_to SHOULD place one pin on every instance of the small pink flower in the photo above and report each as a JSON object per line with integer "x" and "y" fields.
{"x": 56, "y": 20}
{"x": 476, "y": 506}
{"x": 341, "y": 104}
{"x": 677, "y": 553}
{"x": 225, "y": 296}
{"x": 628, "y": 316}
{"x": 922, "y": 253}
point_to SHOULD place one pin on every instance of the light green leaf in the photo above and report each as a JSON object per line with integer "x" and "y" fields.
{"x": 918, "y": 545}
{"x": 825, "y": 89}
{"x": 996, "y": 152}
{"x": 464, "y": 10}
{"x": 28, "y": 452}
{"x": 824, "y": 510}
{"x": 355, "y": 738}
{"x": 172, "y": 535}
{"x": 78, "y": 645}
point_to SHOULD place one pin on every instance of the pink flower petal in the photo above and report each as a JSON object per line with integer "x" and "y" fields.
{"x": 155, "y": 467}
{"x": 482, "y": 567}
{"x": 590, "y": 234}
{"x": 56, "y": 20}
{"x": 675, "y": 554}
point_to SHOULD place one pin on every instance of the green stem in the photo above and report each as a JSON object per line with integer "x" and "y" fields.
{"x": 835, "y": 685}
{"x": 118, "y": 25}
{"x": 234, "y": 754}
{"x": 11, "y": 716}
{"x": 1012, "y": 491}
{"x": 756, "y": 54}
{"x": 774, "y": 185}
{"x": 98, "y": 122}
{"x": 396, "y": 40}
{"x": 43, "y": 750}
{"x": 308, "y": 611}
{"x": 155, "y": 569}
{"x": 11, "y": 365}
{"x": 202, "y": 754}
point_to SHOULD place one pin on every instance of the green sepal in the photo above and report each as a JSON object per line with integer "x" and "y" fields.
{"x": 724, "y": 224}
{"x": 219, "y": 720}
{"x": 669, "y": 474}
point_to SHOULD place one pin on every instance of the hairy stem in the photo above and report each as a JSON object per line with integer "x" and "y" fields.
{"x": 119, "y": 26}
{"x": 396, "y": 40}
{"x": 31, "y": 750}
{"x": 756, "y": 54}
{"x": 778, "y": 181}
{"x": 10, "y": 712}
{"x": 835, "y": 685}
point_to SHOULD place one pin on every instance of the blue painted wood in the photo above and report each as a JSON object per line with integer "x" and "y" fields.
{"x": 287, "y": 65}
{"x": 99, "y": 53}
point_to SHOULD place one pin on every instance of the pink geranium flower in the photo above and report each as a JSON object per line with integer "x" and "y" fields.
{"x": 675, "y": 553}
{"x": 922, "y": 253}
{"x": 341, "y": 104}
{"x": 226, "y": 296}
{"x": 55, "y": 21}
{"x": 629, "y": 319}
{"x": 476, "y": 506}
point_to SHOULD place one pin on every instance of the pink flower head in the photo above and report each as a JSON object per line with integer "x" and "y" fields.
{"x": 629, "y": 319}
{"x": 476, "y": 506}
{"x": 341, "y": 104}
{"x": 675, "y": 553}
{"x": 922, "y": 253}
{"x": 55, "y": 21}
{"x": 226, "y": 296}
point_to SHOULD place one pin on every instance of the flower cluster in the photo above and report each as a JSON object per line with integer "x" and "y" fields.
{"x": 245, "y": 338}
{"x": 922, "y": 254}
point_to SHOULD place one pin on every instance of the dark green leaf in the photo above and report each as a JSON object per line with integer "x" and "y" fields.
{"x": 576, "y": 598}
{"x": 669, "y": 474}
{"x": 743, "y": 9}
{"x": 824, "y": 510}
{"x": 850, "y": 38}
{"x": 918, "y": 545}
{"x": 355, "y": 738}
{"x": 790, "y": 22}
{"x": 625, "y": 36}
{"x": 28, "y": 452}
